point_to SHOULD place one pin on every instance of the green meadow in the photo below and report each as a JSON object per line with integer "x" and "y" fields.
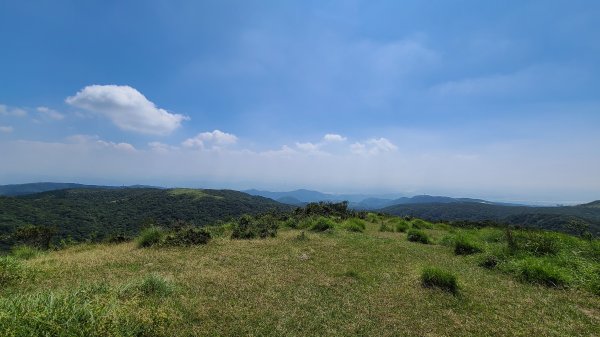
{"x": 319, "y": 276}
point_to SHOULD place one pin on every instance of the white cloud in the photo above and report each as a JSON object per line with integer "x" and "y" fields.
{"x": 52, "y": 114}
{"x": 6, "y": 128}
{"x": 308, "y": 147}
{"x": 11, "y": 111}
{"x": 161, "y": 147}
{"x": 92, "y": 141}
{"x": 213, "y": 139}
{"x": 373, "y": 146}
{"x": 119, "y": 146}
{"x": 127, "y": 108}
{"x": 332, "y": 137}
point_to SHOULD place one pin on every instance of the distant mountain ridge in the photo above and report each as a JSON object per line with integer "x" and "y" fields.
{"x": 359, "y": 201}
{"x": 32, "y": 188}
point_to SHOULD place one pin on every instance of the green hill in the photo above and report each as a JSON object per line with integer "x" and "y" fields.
{"x": 98, "y": 213}
{"x": 569, "y": 219}
{"x": 345, "y": 281}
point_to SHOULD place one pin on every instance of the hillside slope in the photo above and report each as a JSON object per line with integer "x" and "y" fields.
{"x": 567, "y": 219}
{"x": 332, "y": 284}
{"x": 86, "y": 213}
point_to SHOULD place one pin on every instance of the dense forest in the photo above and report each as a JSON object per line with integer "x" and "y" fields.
{"x": 578, "y": 220}
{"x": 98, "y": 213}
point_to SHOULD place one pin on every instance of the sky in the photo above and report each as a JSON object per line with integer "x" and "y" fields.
{"x": 499, "y": 100}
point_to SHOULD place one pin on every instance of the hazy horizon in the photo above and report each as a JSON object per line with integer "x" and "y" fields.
{"x": 497, "y": 101}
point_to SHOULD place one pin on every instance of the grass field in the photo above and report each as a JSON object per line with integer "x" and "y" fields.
{"x": 336, "y": 283}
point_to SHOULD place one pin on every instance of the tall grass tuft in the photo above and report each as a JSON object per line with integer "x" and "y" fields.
{"x": 11, "y": 270}
{"x": 354, "y": 225}
{"x": 465, "y": 246}
{"x": 84, "y": 312}
{"x": 155, "y": 285}
{"x": 541, "y": 272}
{"x": 437, "y": 278}
{"x": 24, "y": 252}
{"x": 416, "y": 235}
{"x": 150, "y": 237}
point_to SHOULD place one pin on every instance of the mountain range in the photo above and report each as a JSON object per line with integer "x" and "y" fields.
{"x": 361, "y": 201}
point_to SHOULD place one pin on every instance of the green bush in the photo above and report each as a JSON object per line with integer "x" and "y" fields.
{"x": 384, "y": 227}
{"x": 421, "y": 224}
{"x": 402, "y": 225}
{"x": 188, "y": 237}
{"x": 323, "y": 224}
{"x": 354, "y": 225}
{"x": 150, "y": 236}
{"x": 24, "y": 252}
{"x": 464, "y": 246}
{"x": 416, "y": 235}
{"x": 11, "y": 270}
{"x": 544, "y": 273}
{"x": 437, "y": 278}
{"x": 117, "y": 238}
{"x": 248, "y": 227}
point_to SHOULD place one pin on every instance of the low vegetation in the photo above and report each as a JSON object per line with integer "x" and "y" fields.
{"x": 416, "y": 235}
{"x": 437, "y": 278}
{"x": 279, "y": 274}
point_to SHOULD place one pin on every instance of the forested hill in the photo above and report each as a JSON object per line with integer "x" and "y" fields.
{"x": 570, "y": 219}
{"x": 85, "y": 213}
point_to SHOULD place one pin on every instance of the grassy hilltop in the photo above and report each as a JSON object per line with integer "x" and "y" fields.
{"x": 315, "y": 276}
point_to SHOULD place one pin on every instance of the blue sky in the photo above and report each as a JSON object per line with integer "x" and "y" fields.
{"x": 465, "y": 98}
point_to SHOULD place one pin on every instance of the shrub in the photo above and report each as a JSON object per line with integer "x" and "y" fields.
{"x": 544, "y": 273}
{"x": 150, "y": 236}
{"x": 437, "y": 278}
{"x": 354, "y": 225}
{"x": 421, "y": 224}
{"x": 11, "y": 270}
{"x": 24, "y": 252}
{"x": 384, "y": 227}
{"x": 402, "y": 226}
{"x": 250, "y": 228}
{"x": 416, "y": 235}
{"x": 117, "y": 238}
{"x": 322, "y": 224}
{"x": 291, "y": 222}
{"x": 188, "y": 237}
{"x": 372, "y": 217}
{"x": 464, "y": 246}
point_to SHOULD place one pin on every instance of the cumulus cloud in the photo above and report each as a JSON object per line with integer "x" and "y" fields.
{"x": 92, "y": 141}
{"x": 212, "y": 139}
{"x": 308, "y": 147}
{"x": 11, "y": 111}
{"x": 119, "y": 146}
{"x": 127, "y": 108}
{"x": 373, "y": 146}
{"x": 6, "y": 128}
{"x": 52, "y": 114}
{"x": 161, "y": 147}
{"x": 332, "y": 137}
